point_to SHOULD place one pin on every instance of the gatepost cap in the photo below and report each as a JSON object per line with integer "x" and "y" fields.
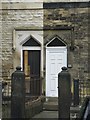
{"x": 64, "y": 68}
{"x": 18, "y": 68}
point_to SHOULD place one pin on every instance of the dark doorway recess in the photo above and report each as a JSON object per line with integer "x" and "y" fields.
{"x": 32, "y": 58}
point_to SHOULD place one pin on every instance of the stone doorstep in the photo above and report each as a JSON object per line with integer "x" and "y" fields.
{"x": 52, "y": 104}
{"x": 51, "y": 99}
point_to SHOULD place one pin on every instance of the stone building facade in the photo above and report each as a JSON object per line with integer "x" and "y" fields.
{"x": 17, "y": 17}
{"x": 69, "y": 21}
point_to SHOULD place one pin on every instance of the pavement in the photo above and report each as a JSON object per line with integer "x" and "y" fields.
{"x": 47, "y": 114}
{"x": 50, "y": 110}
{"x": 52, "y": 114}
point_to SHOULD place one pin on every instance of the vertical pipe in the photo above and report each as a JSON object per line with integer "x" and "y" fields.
{"x": 76, "y": 92}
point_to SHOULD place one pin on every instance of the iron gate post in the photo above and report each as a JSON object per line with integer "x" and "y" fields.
{"x": 64, "y": 93}
{"x": 18, "y": 94}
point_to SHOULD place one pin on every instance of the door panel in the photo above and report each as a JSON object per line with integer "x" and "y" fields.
{"x": 31, "y": 66}
{"x": 34, "y": 62}
{"x": 53, "y": 83}
{"x": 55, "y": 60}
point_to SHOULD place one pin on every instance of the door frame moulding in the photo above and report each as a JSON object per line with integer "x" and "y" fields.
{"x": 54, "y": 49}
{"x": 31, "y": 28}
{"x": 61, "y": 47}
{"x": 33, "y": 48}
{"x": 52, "y": 39}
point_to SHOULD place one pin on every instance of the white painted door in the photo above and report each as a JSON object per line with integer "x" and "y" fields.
{"x": 56, "y": 58}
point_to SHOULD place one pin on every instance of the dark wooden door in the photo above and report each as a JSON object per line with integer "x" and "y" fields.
{"x": 32, "y": 62}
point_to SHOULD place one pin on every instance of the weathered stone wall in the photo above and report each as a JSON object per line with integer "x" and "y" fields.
{"x": 75, "y": 16}
{"x": 0, "y": 43}
{"x": 16, "y": 17}
{"x": 54, "y": 17}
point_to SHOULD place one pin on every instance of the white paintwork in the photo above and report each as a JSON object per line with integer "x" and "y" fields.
{"x": 31, "y": 48}
{"x": 56, "y": 58}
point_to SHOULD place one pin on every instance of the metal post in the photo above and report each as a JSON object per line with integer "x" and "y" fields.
{"x": 18, "y": 94}
{"x": 64, "y": 93}
{"x": 76, "y": 92}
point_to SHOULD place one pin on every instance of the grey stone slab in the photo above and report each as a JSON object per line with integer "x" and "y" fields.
{"x": 47, "y": 114}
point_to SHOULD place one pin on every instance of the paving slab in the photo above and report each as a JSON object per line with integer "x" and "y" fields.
{"x": 52, "y": 114}
{"x": 47, "y": 114}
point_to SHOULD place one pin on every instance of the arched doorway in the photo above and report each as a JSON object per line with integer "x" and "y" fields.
{"x": 31, "y": 63}
{"x": 56, "y": 58}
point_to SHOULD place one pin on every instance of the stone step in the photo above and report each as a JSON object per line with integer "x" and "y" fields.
{"x": 51, "y": 99}
{"x": 51, "y": 104}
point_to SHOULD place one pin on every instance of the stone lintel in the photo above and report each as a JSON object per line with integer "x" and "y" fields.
{"x": 28, "y": 28}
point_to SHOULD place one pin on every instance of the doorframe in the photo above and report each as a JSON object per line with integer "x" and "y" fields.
{"x": 52, "y": 49}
